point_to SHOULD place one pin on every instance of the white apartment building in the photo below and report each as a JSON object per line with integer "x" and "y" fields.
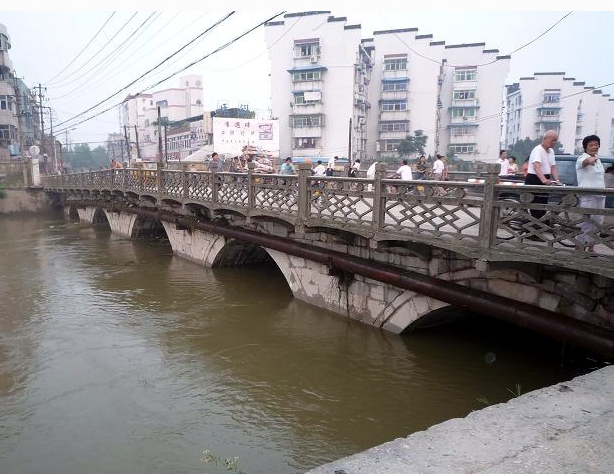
{"x": 318, "y": 75}
{"x": 551, "y": 101}
{"x": 390, "y": 85}
{"x": 141, "y": 111}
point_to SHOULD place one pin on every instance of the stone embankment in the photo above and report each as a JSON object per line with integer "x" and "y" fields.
{"x": 24, "y": 201}
{"x": 567, "y": 428}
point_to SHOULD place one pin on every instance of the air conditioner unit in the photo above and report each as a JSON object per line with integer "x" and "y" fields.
{"x": 314, "y": 59}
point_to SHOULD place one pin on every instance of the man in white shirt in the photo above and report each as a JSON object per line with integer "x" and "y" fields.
{"x": 504, "y": 162}
{"x": 320, "y": 169}
{"x": 542, "y": 169}
{"x": 404, "y": 171}
{"x": 438, "y": 167}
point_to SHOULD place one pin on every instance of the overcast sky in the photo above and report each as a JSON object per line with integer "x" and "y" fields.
{"x": 44, "y": 43}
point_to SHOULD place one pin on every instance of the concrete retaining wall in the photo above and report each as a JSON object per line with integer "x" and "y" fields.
{"x": 563, "y": 429}
{"x": 24, "y": 201}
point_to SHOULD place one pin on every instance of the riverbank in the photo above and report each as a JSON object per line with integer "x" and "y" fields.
{"x": 28, "y": 200}
{"x": 564, "y": 428}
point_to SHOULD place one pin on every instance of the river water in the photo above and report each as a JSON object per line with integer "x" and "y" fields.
{"x": 117, "y": 357}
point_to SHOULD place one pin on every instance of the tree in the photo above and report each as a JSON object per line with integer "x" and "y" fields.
{"x": 523, "y": 148}
{"x": 413, "y": 144}
{"x": 82, "y": 157}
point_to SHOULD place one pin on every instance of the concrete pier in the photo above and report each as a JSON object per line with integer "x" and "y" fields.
{"x": 565, "y": 428}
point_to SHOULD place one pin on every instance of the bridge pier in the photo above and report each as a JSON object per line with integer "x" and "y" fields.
{"x": 121, "y": 223}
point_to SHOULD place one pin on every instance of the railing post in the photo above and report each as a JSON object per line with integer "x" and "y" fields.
{"x": 185, "y": 191}
{"x": 251, "y": 192}
{"x": 379, "y": 204}
{"x": 124, "y": 173}
{"x": 141, "y": 174}
{"x": 159, "y": 180}
{"x": 304, "y": 171}
{"x": 214, "y": 186}
{"x": 489, "y": 215}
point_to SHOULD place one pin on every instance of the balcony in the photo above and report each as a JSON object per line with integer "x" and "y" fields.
{"x": 462, "y": 120}
{"x": 307, "y": 108}
{"x": 395, "y": 74}
{"x": 392, "y": 115}
{"x": 548, "y": 119}
{"x": 307, "y": 132}
{"x": 389, "y": 135}
{"x": 395, "y": 95}
{"x": 462, "y": 139}
{"x": 465, "y": 102}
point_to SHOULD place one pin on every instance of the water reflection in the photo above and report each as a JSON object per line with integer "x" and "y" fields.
{"x": 135, "y": 360}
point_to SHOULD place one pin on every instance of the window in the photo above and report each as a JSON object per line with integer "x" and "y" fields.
{"x": 463, "y": 112}
{"x": 552, "y": 97}
{"x": 464, "y": 95}
{"x": 301, "y": 143}
{"x": 391, "y": 145}
{"x": 147, "y": 122}
{"x": 395, "y": 86}
{"x": 6, "y": 102}
{"x": 393, "y": 105}
{"x": 466, "y": 74}
{"x": 306, "y": 121}
{"x": 8, "y": 132}
{"x": 462, "y": 130}
{"x": 306, "y": 50}
{"x": 307, "y": 97}
{"x": 462, "y": 149}
{"x": 549, "y": 113}
{"x": 395, "y": 64}
{"x": 393, "y": 127}
{"x": 162, "y": 103}
{"x": 307, "y": 76}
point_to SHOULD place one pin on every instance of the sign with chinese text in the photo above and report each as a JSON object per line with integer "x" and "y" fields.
{"x": 230, "y": 135}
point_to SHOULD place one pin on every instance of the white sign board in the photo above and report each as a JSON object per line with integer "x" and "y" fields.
{"x": 230, "y": 135}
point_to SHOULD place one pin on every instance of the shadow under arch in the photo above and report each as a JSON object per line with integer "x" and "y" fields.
{"x": 73, "y": 214}
{"x": 100, "y": 221}
{"x": 237, "y": 253}
{"x": 148, "y": 228}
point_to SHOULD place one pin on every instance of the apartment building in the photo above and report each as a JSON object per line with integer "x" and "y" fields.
{"x": 335, "y": 92}
{"x": 453, "y": 93}
{"x": 319, "y": 74}
{"x": 140, "y": 113}
{"x": 553, "y": 101}
{"x": 19, "y": 113}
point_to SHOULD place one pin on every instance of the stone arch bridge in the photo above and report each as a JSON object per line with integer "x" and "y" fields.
{"x": 391, "y": 254}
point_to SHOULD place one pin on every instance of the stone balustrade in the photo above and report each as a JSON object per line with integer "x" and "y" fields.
{"x": 485, "y": 221}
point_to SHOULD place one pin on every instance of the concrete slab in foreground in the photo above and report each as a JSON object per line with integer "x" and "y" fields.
{"x": 565, "y": 428}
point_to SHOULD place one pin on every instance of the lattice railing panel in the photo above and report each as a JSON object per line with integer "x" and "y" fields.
{"x": 341, "y": 200}
{"x": 276, "y": 193}
{"x": 232, "y": 189}
{"x": 199, "y": 186}
{"x": 172, "y": 182}
{"x": 423, "y": 208}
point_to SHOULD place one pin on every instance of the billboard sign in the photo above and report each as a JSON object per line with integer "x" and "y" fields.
{"x": 230, "y": 135}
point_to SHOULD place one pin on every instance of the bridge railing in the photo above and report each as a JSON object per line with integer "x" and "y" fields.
{"x": 483, "y": 220}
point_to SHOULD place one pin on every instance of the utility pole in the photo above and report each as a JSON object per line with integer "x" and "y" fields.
{"x": 166, "y": 144}
{"x": 127, "y": 140}
{"x": 55, "y": 164}
{"x": 40, "y": 103}
{"x": 350, "y": 145}
{"x": 138, "y": 150}
{"x": 19, "y": 116}
{"x": 159, "y": 137}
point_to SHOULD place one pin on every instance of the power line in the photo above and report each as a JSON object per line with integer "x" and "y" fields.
{"x": 112, "y": 53}
{"x": 80, "y": 52}
{"x": 152, "y": 69}
{"x": 483, "y": 64}
{"x": 97, "y": 52}
{"x": 179, "y": 71}
{"x": 107, "y": 60}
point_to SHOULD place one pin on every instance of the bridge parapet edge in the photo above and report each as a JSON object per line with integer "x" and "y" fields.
{"x": 486, "y": 221}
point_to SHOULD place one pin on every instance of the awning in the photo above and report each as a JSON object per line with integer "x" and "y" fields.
{"x": 307, "y": 68}
{"x": 396, "y": 79}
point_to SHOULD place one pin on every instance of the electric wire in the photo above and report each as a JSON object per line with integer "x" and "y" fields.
{"x": 216, "y": 24}
{"x": 107, "y": 62}
{"x": 96, "y": 53}
{"x": 227, "y": 44}
{"x": 483, "y": 64}
{"x": 81, "y": 52}
{"x": 113, "y": 52}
